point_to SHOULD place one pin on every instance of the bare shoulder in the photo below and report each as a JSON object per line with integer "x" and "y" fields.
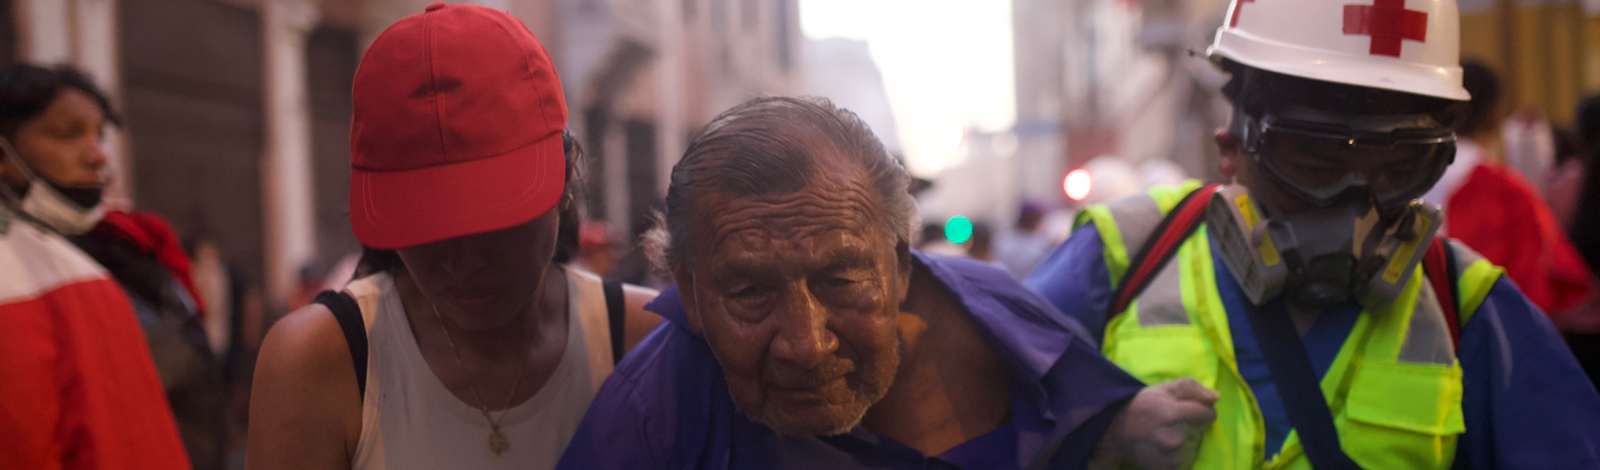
{"x": 305, "y": 410}
{"x": 639, "y": 321}
{"x": 308, "y": 345}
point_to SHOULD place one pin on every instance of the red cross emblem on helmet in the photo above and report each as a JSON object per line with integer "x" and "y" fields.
{"x": 1388, "y": 22}
{"x": 1409, "y": 46}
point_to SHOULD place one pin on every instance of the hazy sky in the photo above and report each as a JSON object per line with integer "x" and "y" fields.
{"x": 946, "y": 64}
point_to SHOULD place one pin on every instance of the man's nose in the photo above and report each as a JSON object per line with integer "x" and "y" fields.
{"x": 94, "y": 156}
{"x": 803, "y": 337}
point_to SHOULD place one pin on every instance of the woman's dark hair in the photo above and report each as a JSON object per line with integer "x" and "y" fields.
{"x": 1257, "y": 92}
{"x": 27, "y": 90}
{"x": 567, "y": 233}
{"x": 375, "y": 261}
{"x": 770, "y": 145}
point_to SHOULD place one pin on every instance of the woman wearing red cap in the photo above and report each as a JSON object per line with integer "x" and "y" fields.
{"x": 469, "y": 347}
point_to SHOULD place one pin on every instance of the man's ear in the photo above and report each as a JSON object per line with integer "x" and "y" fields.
{"x": 690, "y": 297}
{"x": 1230, "y": 150}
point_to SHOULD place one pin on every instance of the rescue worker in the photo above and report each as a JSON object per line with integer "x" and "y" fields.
{"x": 1312, "y": 293}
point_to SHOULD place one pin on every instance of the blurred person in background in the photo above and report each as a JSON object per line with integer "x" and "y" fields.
{"x": 1499, "y": 213}
{"x": 1339, "y": 331}
{"x": 78, "y": 386}
{"x": 820, "y": 339}
{"x": 1582, "y": 206}
{"x": 226, "y": 297}
{"x": 933, "y": 240}
{"x": 1584, "y": 228}
{"x": 1024, "y": 245}
{"x": 143, "y": 254}
{"x": 213, "y": 281}
{"x": 1527, "y": 144}
{"x": 309, "y": 285}
{"x": 1564, "y": 182}
{"x": 981, "y": 246}
{"x": 596, "y": 252}
{"x": 462, "y": 342}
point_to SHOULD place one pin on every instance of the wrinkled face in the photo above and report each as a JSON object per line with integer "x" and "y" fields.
{"x": 62, "y": 145}
{"x": 798, "y": 296}
{"x": 481, "y": 281}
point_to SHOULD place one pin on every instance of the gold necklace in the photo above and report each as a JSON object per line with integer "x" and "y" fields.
{"x": 497, "y": 439}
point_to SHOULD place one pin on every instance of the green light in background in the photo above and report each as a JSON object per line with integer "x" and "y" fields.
{"x": 958, "y": 230}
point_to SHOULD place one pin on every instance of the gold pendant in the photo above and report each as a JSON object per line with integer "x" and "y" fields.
{"x": 497, "y": 441}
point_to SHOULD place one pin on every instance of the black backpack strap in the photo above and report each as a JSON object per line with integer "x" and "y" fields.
{"x": 617, "y": 314}
{"x": 1162, "y": 244}
{"x": 348, "y": 313}
{"x": 1297, "y": 383}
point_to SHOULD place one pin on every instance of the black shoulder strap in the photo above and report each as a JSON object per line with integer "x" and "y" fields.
{"x": 348, "y": 313}
{"x": 1164, "y": 242}
{"x": 1297, "y": 383}
{"x": 617, "y": 313}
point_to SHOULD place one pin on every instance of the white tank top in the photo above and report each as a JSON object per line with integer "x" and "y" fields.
{"x": 409, "y": 420}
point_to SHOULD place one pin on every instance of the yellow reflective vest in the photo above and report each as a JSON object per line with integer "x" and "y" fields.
{"x": 1394, "y": 389}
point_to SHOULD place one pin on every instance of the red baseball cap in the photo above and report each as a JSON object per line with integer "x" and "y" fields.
{"x": 456, "y": 130}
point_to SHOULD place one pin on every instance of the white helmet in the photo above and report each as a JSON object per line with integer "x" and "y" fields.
{"x": 1410, "y": 46}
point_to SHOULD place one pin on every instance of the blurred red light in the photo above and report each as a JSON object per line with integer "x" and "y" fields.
{"x": 1077, "y": 184}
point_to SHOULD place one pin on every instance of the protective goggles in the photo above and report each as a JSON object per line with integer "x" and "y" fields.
{"x": 1320, "y": 161}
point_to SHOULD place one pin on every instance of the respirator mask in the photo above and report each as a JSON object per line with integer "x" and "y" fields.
{"x": 69, "y": 211}
{"x": 1362, "y": 231}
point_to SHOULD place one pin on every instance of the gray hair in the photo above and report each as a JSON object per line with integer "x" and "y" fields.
{"x": 769, "y": 145}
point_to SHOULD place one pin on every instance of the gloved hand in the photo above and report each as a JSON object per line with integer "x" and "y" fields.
{"x": 1160, "y": 429}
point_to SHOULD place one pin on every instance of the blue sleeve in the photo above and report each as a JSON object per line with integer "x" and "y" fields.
{"x": 613, "y": 434}
{"x": 1075, "y": 281}
{"x": 1526, "y": 402}
{"x": 626, "y": 425}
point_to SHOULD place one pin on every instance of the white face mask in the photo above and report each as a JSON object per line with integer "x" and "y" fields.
{"x": 48, "y": 205}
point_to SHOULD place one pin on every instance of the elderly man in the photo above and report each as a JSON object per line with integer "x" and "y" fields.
{"x": 804, "y": 333}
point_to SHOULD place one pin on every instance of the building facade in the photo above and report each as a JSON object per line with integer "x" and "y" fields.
{"x": 238, "y": 111}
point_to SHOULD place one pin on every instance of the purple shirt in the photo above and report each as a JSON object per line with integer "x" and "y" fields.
{"x": 667, "y": 405}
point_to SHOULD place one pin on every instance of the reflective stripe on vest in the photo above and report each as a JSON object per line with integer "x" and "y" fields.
{"x": 1394, "y": 388}
{"x": 1128, "y": 222}
{"x": 1477, "y": 277}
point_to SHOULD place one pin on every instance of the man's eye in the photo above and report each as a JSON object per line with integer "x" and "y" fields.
{"x": 750, "y": 291}
{"x": 841, "y": 282}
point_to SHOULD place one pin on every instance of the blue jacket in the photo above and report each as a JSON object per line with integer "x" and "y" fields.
{"x": 667, "y": 405}
{"x": 1526, "y": 403}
